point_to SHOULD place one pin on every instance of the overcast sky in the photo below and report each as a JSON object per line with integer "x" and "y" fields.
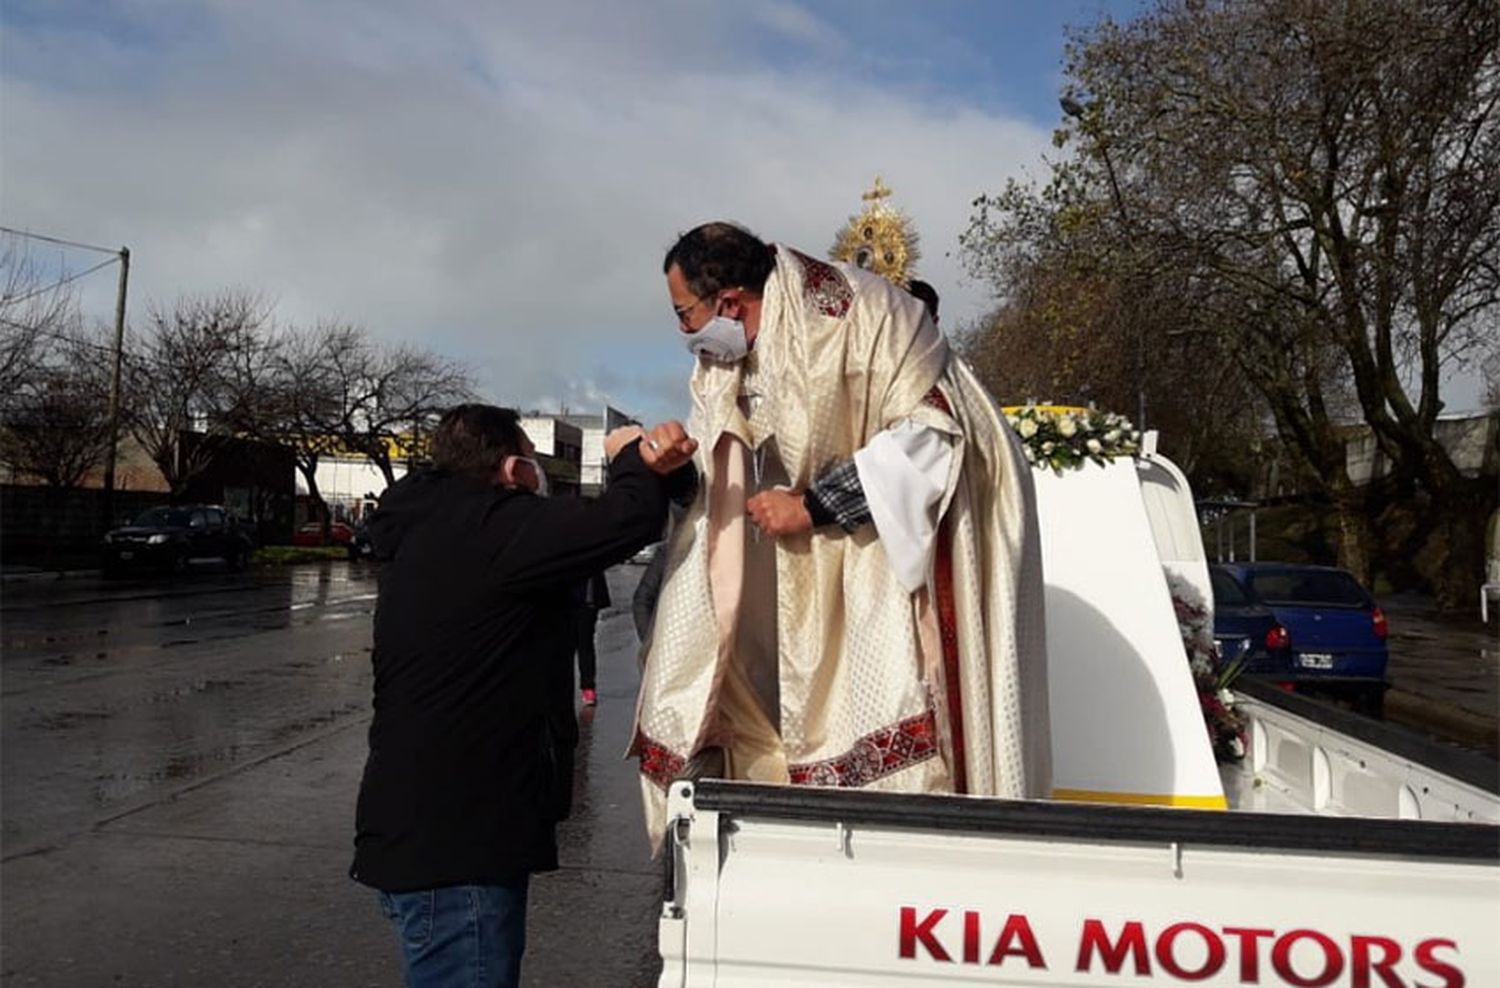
{"x": 498, "y": 181}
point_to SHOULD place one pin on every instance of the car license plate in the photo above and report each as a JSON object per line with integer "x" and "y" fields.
{"x": 1315, "y": 660}
{"x": 127, "y": 555}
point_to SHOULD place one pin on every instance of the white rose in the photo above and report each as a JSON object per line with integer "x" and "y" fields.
{"x": 1067, "y": 426}
{"x": 1027, "y": 428}
{"x": 1048, "y": 447}
{"x": 1112, "y": 436}
{"x": 1226, "y": 697}
{"x": 1095, "y": 447}
{"x": 1030, "y": 456}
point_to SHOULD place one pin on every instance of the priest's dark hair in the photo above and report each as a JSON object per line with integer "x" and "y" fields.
{"x": 721, "y": 255}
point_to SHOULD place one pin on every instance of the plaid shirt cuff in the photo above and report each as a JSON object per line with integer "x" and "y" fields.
{"x": 838, "y": 498}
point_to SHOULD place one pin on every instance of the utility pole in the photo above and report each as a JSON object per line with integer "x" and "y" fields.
{"x": 114, "y": 391}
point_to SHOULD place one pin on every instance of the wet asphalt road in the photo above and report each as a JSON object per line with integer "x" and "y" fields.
{"x": 179, "y": 762}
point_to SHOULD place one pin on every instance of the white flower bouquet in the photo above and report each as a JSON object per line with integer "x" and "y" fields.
{"x": 1064, "y": 438}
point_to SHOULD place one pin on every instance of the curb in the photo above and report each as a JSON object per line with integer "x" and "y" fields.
{"x": 37, "y": 576}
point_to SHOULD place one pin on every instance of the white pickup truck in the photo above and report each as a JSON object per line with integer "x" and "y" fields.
{"x": 1352, "y": 853}
{"x": 1343, "y": 861}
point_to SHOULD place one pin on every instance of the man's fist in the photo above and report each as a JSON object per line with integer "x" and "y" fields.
{"x": 619, "y": 438}
{"x": 779, "y": 513}
{"x": 667, "y": 446}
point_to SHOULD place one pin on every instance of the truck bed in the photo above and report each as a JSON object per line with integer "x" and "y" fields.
{"x": 1351, "y": 859}
{"x": 1307, "y": 757}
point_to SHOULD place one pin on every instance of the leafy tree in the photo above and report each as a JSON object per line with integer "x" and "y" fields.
{"x": 1317, "y": 187}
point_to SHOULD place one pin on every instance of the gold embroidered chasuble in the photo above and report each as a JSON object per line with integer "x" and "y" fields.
{"x": 803, "y": 657}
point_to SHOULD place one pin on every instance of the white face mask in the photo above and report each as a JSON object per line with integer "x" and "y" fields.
{"x": 721, "y": 339}
{"x": 540, "y": 490}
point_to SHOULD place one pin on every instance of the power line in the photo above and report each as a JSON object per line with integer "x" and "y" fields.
{"x": 140, "y": 360}
{"x": 13, "y": 299}
{"x": 58, "y": 240}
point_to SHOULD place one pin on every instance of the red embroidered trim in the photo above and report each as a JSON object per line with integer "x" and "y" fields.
{"x": 824, "y": 287}
{"x": 658, "y": 762}
{"x": 873, "y": 756}
{"x": 937, "y": 400}
{"x": 948, "y": 631}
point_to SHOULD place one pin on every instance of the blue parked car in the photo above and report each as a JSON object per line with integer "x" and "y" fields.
{"x": 1302, "y": 626}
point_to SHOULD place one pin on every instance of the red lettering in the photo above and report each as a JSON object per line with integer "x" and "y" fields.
{"x": 1333, "y": 959}
{"x": 1452, "y": 976}
{"x": 1017, "y": 940}
{"x": 971, "y": 937}
{"x": 1249, "y": 951}
{"x": 1132, "y": 940}
{"x": 1361, "y": 965}
{"x": 1167, "y": 957}
{"x": 912, "y": 932}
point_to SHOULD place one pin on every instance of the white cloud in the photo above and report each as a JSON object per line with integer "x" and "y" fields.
{"x": 497, "y": 185}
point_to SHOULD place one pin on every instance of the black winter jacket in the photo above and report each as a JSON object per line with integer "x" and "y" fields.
{"x": 471, "y": 746}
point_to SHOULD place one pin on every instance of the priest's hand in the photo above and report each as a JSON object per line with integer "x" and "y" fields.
{"x": 780, "y": 513}
{"x": 667, "y": 447}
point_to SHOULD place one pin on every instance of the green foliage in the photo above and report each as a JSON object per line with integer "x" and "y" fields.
{"x": 1064, "y": 439}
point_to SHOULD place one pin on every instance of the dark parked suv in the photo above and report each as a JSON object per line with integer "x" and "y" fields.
{"x": 167, "y": 538}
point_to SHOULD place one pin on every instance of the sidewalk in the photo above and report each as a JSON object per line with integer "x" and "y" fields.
{"x": 1444, "y": 672}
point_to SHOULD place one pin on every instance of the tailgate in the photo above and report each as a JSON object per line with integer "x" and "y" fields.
{"x": 827, "y": 887}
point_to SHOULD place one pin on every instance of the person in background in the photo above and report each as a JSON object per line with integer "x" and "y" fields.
{"x": 592, "y": 597}
{"x": 927, "y": 294}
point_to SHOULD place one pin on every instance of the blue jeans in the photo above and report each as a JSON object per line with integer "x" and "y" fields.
{"x": 462, "y": 936}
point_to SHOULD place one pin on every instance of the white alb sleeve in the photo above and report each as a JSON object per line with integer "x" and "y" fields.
{"x": 904, "y": 471}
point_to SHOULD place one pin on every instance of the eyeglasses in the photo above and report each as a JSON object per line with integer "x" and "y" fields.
{"x": 683, "y": 312}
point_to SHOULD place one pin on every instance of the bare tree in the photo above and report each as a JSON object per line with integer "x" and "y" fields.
{"x": 201, "y": 366}
{"x": 34, "y": 312}
{"x": 404, "y": 389}
{"x": 55, "y": 424}
{"x": 309, "y": 399}
{"x": 340, "y": 391}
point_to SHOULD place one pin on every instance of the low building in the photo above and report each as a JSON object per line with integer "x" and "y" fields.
{"x": 559, "y": 449}
{"x": 1472, "y": 440}
{"x": 593, "y": 465}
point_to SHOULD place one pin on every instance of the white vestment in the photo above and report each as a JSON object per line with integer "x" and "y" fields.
{"x": 907, "y": 655}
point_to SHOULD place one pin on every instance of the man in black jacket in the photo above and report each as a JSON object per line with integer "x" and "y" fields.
{"x": 471, "y": 746}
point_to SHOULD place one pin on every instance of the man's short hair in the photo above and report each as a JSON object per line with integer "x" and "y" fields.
{"x": 716, "y": 256}
{"x": 472, "y": 440}
{"x": 927, "y": 294}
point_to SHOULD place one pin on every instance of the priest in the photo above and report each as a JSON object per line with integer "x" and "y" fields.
{"x": 854, "y": 596}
